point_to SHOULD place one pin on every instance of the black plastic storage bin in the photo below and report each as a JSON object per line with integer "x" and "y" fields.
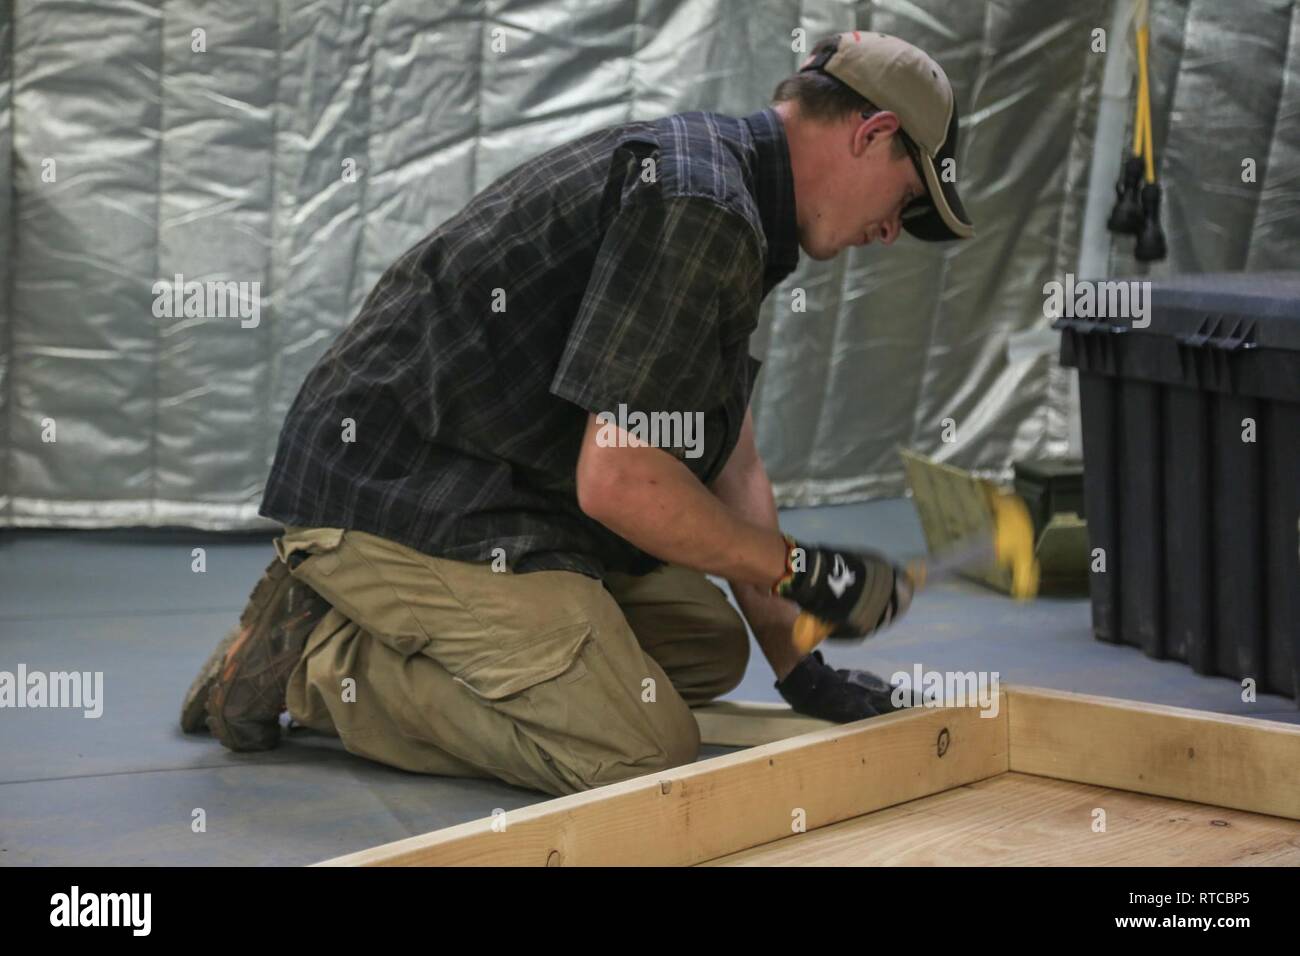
{"x": 1200, "y": 528}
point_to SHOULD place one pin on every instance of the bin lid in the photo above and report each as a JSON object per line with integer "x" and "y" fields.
{"x": 1263, "y": 308}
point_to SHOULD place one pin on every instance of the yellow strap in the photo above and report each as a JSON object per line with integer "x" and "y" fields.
{"x": 1144, "y": 103}
{"x": 1139, "y": 120}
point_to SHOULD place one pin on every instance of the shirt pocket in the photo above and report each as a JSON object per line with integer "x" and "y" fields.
{"x": 527, "y": 662}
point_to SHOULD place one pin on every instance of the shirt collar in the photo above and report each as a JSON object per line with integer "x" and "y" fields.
{"x": 774, "y": 193}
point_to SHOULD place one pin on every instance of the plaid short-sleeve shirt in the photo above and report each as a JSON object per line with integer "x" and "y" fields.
{"x": 620, "y": 273}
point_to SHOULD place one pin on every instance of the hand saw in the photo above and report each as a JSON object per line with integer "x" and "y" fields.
{"x": 1008, "y": 542}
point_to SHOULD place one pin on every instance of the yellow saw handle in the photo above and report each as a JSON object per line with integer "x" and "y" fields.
{"x": 809, "y": 631}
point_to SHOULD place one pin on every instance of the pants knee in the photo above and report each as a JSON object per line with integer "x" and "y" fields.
{"x": 679, "y": 742}
{"x": 672, "y": 740}
{"x": 722, "y": 670}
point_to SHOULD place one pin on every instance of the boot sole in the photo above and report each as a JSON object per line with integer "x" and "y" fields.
{"x": 194, "y": 709}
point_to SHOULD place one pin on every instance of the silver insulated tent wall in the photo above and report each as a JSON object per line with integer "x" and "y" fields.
{"x": 291, "y": 150}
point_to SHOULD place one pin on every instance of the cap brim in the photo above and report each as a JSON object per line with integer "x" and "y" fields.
{"x": 943, "y": 217}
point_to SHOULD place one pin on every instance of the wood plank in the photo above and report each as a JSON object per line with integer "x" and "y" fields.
{"x": 718, "y": 806}
{"x": 1226, "y": 761}
{"x": 1020, "y": 820}
{"x": 735, "y": 723}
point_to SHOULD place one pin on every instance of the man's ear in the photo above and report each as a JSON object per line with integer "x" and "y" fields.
{"x": 884, "y": 123}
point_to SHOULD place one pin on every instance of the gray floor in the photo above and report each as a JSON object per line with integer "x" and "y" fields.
{"x": 123, "y": 788}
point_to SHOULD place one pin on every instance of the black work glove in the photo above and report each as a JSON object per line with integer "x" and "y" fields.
{"x": 815, "y": 689}
{"x": 859, "y": 592}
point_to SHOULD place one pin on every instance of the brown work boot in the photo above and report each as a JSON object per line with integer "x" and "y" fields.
{"x": 247, "y": 695}
{"x": 194, "y": 708}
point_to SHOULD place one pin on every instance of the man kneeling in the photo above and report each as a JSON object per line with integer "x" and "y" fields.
{"x": 489, "y": 567}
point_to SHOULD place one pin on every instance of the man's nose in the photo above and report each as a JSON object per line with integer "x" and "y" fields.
{"x": 890, "y": 229}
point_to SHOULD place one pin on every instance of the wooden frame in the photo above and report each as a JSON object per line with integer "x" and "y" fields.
{"x": 847, "y": 774}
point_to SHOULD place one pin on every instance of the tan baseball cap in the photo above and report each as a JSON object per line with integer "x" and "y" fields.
{"x": 901, "y": 78}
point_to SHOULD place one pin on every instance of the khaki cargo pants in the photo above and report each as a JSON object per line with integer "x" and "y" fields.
{"x": 549, "y": 680}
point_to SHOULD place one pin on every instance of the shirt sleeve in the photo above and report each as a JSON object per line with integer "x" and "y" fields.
{"x": 672, "y": 299}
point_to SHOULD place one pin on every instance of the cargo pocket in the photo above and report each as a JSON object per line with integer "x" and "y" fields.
{"x": 506, "y": 673}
